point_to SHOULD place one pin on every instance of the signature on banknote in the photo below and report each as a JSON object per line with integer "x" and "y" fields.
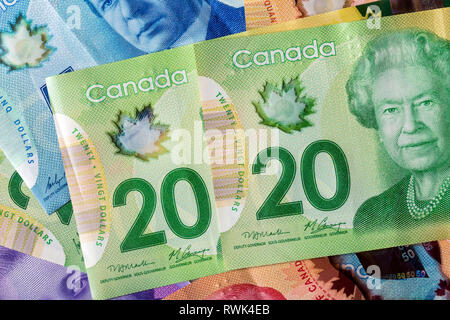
{"x": 256, "y": 235}
{"x": 129, "y": 266}
{"x": 315, "y": 226}
{"x": 56, "y": 181}
{"x": 181, "y": 255}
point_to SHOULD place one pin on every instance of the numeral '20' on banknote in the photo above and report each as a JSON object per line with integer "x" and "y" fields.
{"x": 36, "y": 42}
{"x": 257, "y": 150}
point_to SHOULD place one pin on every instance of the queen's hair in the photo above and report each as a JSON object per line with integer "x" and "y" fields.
{"x": 409, "y": 47}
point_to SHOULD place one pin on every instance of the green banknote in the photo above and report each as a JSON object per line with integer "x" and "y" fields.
{"x": 258, "y": 150}
{"x": 27, "y": 228}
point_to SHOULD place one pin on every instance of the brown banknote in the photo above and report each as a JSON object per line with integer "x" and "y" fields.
{"x": 261, "y": 13}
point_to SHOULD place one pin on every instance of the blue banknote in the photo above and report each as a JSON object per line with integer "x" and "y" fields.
{"x": 34, "y": 44}
{"x": 23, "y": 277}
{"x": 41, "y": 38}
{"x": 113, "y": 30}
{"x": 415, "y": 272}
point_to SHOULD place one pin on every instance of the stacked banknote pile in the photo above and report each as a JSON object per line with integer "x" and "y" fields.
{"x": 268, "y": 149}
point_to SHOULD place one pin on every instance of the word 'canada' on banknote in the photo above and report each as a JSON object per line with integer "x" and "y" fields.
{"x": 412, "y": 272}
{"x": 258, "y": 150}
{"x": 29, "y": 138}
{"x": 24, "y": 226}
{"x": 197, "y": 20}
{"x": 131, "y": 28}
{"x": 47, "y": 37}
{"x": 28, "y": 278}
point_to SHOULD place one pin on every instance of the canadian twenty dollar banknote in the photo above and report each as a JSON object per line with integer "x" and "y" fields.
{"x": 257, "y": 150}
{"x": 43, "y": 38}
{"x": 27, "y": 230}
{"x": 37, "y": 42}
{"x": 20, "y": 200}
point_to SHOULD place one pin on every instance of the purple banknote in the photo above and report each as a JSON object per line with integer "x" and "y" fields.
{"x": 23, "y": 277}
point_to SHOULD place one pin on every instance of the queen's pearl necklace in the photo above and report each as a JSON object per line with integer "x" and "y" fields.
{"x": 419, "y": 213}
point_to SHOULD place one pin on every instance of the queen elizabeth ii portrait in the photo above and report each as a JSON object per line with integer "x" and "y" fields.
{"x": 400, "y": 88}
